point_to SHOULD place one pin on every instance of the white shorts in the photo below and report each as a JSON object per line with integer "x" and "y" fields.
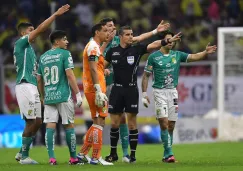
{"x": 29, "y": 101}
{"x": 166, "y": 103}
{"x": 65, "y": 110}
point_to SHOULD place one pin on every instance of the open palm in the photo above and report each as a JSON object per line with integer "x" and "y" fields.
{"x": 211, "y": 49}
{"x": 163, "y": 27}
{"x": 62, "y": 9}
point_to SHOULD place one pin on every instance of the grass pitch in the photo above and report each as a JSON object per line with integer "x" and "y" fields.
{"x": 191, "y": 157}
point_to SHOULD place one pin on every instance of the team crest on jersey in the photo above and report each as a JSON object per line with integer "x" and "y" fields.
{"x": 173, "y": 60}
{"x": 130, "y": 60}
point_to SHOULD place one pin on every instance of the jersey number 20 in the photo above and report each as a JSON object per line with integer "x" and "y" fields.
{"x": 51, "y": 75}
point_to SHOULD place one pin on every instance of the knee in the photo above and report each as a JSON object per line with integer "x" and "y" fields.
{"x": 132, "y": 125}
{"x": 171, "y": 127}
{"x": 115, "y": 123}
{"x": 38, "y": 122}
{"x": 163, "y": 123}
{"x": 123, "y": 119}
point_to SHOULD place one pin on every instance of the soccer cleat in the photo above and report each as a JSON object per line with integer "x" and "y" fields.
{"x": 132, "y": 159}
{"x": 111, "y": 158}
{"x": 170, "y": 159}
{"x": 84, "y": 158}
{"x": 126, "y": 159}
{"x": 52, "y": 161}
{"x": 100, "y": 161}
{"x": 28, "y": 160}
{"x": 76, "y": 161}
{"x": 18, "y": 156}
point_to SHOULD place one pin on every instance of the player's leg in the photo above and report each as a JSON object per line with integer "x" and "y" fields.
{"x": 50, "y": 118}
{"x": 116, "y": 107}
{"x": 114, "y": 136}
{"x": 131, "y": 109}
{"x": 26, "y": 102}
{"x": 66, "y": 110}
{"x": 88, "y": 141}
{"x": 124, "y": 138}
{"x": 161, "y": 108}
{"x": 99, "y": 123}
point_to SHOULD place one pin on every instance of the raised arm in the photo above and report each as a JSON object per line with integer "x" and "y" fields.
{"x": 160, "y": 28}
{"x": 201, "y": 55}
{"x": 158, "y": 43}
{"x": 43, "y": 26}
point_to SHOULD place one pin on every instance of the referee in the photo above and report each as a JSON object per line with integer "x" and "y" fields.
{"x": 124, "y": 95}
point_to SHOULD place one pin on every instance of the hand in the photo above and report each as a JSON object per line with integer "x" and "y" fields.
{"x": 111, "y": 36}
{"x": 100, "y": 98}
{"x": 210, "y": 49}
{"x": 107, "y": 72}
{"x": 163, "y": 27}
{"x": 62, "y": 10}
{"x": 145, "y": 100}
{"x": 79, "y": 99}
{"x": 175, "y": 38}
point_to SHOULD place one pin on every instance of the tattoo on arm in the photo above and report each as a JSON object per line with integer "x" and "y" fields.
{"x": 145, "y": 81}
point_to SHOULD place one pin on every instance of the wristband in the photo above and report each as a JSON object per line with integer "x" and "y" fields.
{"x": 144, "y": 94}
{"x": 97, "y": 87}
{"x": 155, "y": 31}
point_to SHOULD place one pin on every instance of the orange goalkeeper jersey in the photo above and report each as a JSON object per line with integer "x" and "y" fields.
{"x": 93, "y": 49}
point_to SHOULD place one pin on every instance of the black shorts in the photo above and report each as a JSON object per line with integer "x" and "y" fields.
{"x": 123, "y": 99}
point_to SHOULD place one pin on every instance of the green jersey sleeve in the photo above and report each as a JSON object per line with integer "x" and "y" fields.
{"x": 183, "y": 56}
{"x": 68, "y": 60}
{"x": 23, "y": 41}
{"x": 149, "y": 64}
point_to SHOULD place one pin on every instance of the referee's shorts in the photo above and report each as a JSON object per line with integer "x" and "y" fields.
{"x": 123, "y": 98}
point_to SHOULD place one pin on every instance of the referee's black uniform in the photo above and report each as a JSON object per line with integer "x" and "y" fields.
{"x": 124, "y": 93}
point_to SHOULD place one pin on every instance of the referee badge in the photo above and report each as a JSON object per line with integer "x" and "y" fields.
{"x": 130, "y": 60}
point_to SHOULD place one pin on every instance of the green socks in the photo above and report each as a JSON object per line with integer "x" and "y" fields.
{"x": 50, "y": 141}
{"x": 26, "y": 141}
{"x": 71, "y": 141}
{"x": 171, "y": 138}
{"x": 124, "y": 138}
{"x": 166, "y": 140}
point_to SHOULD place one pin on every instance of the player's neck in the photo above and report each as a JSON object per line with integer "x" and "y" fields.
{"x": 164, "y": 51}
{"x": 54, "y": 47}
{"x": 97, "y": 40}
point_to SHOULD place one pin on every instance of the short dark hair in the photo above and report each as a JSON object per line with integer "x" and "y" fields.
{"x": 98, "y": 27}
{"x": 164, "y": 33}
{"x": 57, "y": 34}
{"x": 121, "y": 30}
{"x": 24, "y": 25}
{"x": 106, "y": 20}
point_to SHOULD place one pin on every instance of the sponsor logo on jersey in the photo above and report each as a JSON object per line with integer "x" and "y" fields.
{"x": 130, "y": 60}
{"x": 168, "y": 65}
{"x": 115, "y": 53}
{"x": 158, "y": 58}
{"x": 160, "y": 63}
{"x": 114, "y": 61}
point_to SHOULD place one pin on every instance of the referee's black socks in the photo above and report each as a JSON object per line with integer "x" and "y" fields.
{"x": 114, "y": 137}
{"x": 133, "y": 140}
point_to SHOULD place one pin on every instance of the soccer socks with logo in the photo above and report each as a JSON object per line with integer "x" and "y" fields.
{"x": 133, "y": 139}
{"x": 88, "y": 141}
{"x": 71, "y": 142}
{"x": 26, "y": 141}
{"x": 114, "y": 137}
{"x": 20, "y": 150}
{"x": 50, "y": 141}
{"x": 165, "y": 137}
{"x": 97, "y": 141}
{"x": 124, "y": 138}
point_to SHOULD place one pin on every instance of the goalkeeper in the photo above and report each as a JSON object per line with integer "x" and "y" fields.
{"x": 165, "y": 66}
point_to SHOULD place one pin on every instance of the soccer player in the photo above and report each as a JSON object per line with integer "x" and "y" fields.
{"x": 124, "y": 95}
{"x": 94, "y": 90}
{"x": 26, "y": 88}
{"x": 56, "y": 77}
{"x": 114, "y": 42}
{"x": 165, "y": 66}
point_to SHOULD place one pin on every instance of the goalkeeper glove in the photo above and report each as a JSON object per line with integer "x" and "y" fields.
{"x": 145, "y": 99}
{"x": 79, "y": 99}
{"x": 100, "y": 98}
